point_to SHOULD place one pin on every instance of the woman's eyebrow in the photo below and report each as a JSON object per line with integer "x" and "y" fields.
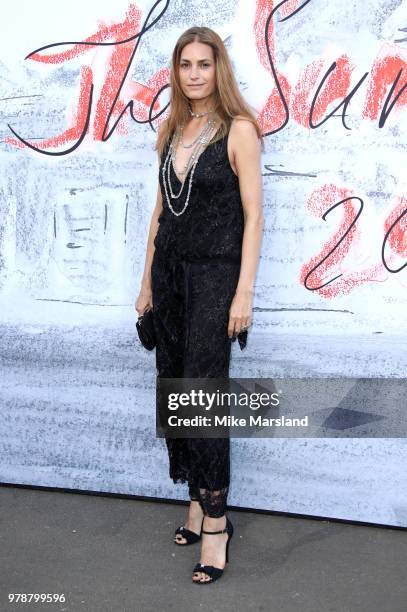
{"x": 201, "y": 60}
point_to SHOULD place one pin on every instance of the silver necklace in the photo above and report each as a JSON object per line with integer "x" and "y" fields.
{"x": 187, "y": 165}
{"x": 204, "y": 133}
{"x": 199, "y": 114}
{"x": 190, "y": 163}
{"x": 166, "y": 167}
{"x": 189, "y": 146}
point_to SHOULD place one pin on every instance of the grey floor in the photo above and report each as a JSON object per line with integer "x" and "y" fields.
{"x": 116, "y": 554}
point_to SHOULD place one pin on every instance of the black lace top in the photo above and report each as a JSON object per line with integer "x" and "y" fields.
{"x": 213, "y": 222}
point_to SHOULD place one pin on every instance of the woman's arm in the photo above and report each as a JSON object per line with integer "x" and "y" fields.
{"x": 144, "y": 299}
{"x": 146, "y": 280}
{"x": 246, "y": 149}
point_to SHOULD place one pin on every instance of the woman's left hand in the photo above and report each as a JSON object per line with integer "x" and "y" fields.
{"x": 240, "y": 312}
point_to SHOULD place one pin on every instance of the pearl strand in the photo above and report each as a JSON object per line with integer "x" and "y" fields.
{"x": 187, "y": 198}
{"x": 181, "y": 140}
{"x": 172, "y": 157}
{"x": 166, "y": 167}
{"x": 201, "y": 138}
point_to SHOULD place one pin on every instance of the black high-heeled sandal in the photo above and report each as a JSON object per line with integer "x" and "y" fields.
{"x": 215, "y": 572}
{"x": 190, "y": 536}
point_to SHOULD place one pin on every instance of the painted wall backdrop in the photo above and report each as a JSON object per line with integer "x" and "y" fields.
{"x": 83, "y": 88}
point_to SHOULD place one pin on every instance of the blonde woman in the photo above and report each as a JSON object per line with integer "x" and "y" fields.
{"x": 201, "y": 261}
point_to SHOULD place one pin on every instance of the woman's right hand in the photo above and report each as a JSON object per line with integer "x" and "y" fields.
{"x": 144, "y": 301}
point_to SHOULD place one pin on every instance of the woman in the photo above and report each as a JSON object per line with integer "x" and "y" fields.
{"x": 201, "y": 261}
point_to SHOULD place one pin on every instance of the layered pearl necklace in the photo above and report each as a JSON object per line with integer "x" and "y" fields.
{"x": 202, "y": 139}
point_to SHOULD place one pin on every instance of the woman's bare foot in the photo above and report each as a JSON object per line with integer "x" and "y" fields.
{"x": 194, "y": 521}
{"x": 213, "y": 547}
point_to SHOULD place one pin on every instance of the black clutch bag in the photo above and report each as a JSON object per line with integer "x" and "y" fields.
{"x": 145, "y": 329}
{"x": 242, "y": 339}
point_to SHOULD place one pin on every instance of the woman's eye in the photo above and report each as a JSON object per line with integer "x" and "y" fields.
{"x": 204, "y": 65}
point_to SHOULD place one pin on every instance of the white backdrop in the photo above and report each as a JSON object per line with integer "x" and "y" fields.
{"x": 77, "y": 393}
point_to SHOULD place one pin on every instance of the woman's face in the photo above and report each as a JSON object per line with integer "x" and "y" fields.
{"x": 197, "y": 71}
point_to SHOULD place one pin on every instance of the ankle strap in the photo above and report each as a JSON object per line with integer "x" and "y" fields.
{"x": 214, "y": 532}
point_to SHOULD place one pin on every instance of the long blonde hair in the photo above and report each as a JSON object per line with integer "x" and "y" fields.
{"x": 228, "y": 101}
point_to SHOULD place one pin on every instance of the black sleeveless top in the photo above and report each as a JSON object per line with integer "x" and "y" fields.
{"x": 212, "y": 224}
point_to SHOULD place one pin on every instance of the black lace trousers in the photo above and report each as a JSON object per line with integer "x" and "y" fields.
{"x": 191, "y": 301}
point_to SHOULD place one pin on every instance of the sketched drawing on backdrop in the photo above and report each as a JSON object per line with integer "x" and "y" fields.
{"x": 76, "y": 210}
{"x": 78, "y": 392}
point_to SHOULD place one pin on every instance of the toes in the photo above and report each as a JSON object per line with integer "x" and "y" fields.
{"x": 180, "y": 539}
{"x": 200, "y": 577}
{"x": 204, "y": 578}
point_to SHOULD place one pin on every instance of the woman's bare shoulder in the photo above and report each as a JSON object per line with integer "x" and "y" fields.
{"x": 243, "y": 136}
{"x": 243, "y": 127}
